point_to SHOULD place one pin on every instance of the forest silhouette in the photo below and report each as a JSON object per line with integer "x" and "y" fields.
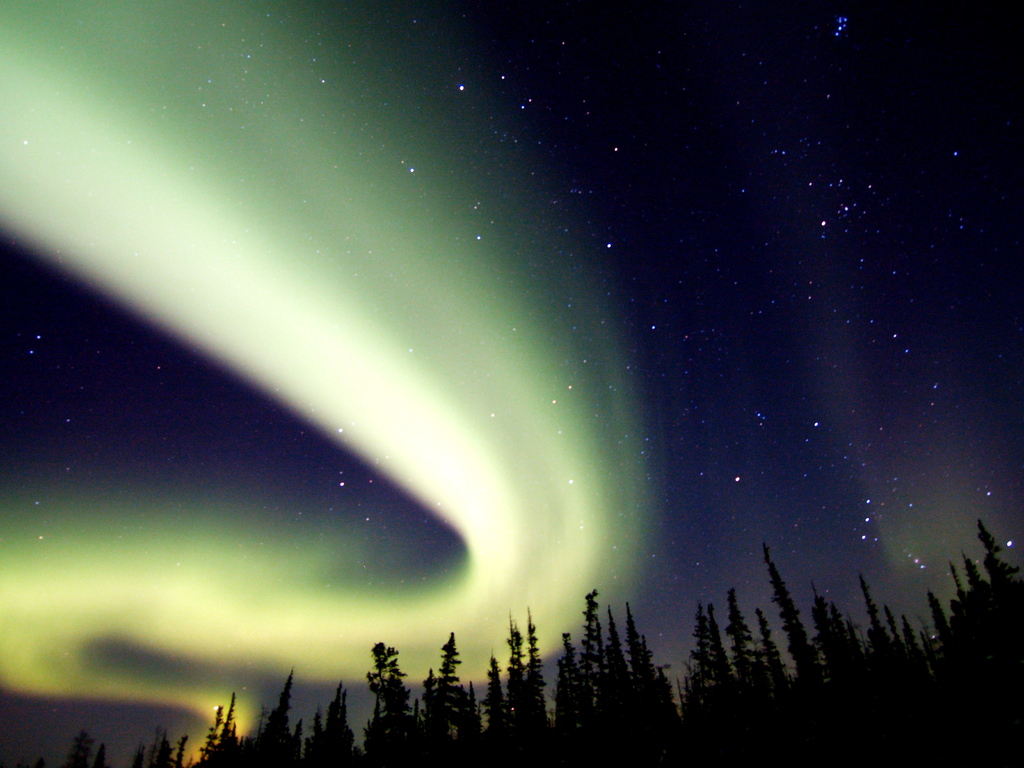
{"x": 824, "y": 692}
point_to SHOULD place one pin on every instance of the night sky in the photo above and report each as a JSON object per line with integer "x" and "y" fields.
{"x": 330, "y": 323}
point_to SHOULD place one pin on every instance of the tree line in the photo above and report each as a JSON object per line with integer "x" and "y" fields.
{"x": 830, "y": 691}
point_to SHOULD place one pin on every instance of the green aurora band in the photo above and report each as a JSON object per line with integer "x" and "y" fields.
{"x": 259, "y": 183}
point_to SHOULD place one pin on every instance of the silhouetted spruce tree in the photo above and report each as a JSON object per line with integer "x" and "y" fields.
{"x": 721, "y": 673}
{"x": 210, "y": 745}
{"x": 1001, "y": 574}
{"x": 179, "y": 752}
{"x": 853, "y": 640}
{"x": 981, "y": 654}
{"x": 651, "y": 716}
{"x": 831, "y": 641}
{"x": 389, "y": 731}
{"x": 882, "y": 654}
{"x": 641, "y": 662}
{"x": 652, "y": 713}
{"x": 591, "y": 660}
{"x": 468, "y": 725}
{"x": 667, "y": 714}
{"x": 842, "y": 675}
{"x": 1003, "y": 609}
{"x": 769, "y": 669}
{"x": 961, "y": 594}
{"x": 313, "y": 752}
{"x": 209, "y": 753}
{"x": 898, "y": 648}
{"x": 161, "y": 753}
{"x": 740, "y": 643}
{"x": 339, "y": 740}
{"x": 709, "y": 676}
{"x": 977, "y": 586}
{"x": 971, "y": 620}
{"x": 567, "y": 691}
{"x": 494, "y": 705}
{"x": 929, "y": 645}
{"x": 451, "y": 692}
{"x": 222, "y": 748}
{"x": 80, "y": 751}
{"x": 415, "y": 744}
{"x": 615, "y": 682}
{"x": 944, "y": 637}
{"x": 515, "y": 686}
{"x": 799, "y": 648}
{"x": 444, "y": 699}
{"x": 296, "y": 744}
{"x": 917, "y": 661}
{"x": 698, "y": 681}
{"x": 425, "y": 718}
{"x": 330, "y": 743}
{"x": 964, "y": 615}
{"x": 101, "y": 757}
{"x": 535, "y": 717}
{"x": 275, "y": 743}
{"x": 139, "y": 758}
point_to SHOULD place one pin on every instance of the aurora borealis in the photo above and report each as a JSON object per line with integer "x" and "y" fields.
{"x": 334, "y": 323}
{"x": 400, "y": 336}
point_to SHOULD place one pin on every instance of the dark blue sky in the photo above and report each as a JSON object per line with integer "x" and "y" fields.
{"x": 814, "y": 220}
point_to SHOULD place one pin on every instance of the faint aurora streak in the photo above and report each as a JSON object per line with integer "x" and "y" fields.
{"x": 195, "y": 168}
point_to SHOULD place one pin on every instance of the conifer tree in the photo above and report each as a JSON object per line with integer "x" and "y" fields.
{"x": 494, "y": 703}
{"x": 468, "y": 725}
{"x": 591, "y": 658}
{"x": 976, "y": 585}
{"x": 652, "y": 710}
{"x": 880, "y": 647}
{"x": 567, "y": 690}
{"x": 313, "y": 754}
{"x": 831, "y": 640}
{"x": 339, "y": 739}
{"x": 452, "y": 696}
{"x": 161, "y": 754}
{"x": 896, "y": 642}
{"x": 221, "y": 748}
{"x": 80, "y": 751}
{"x": 295, "y": 745}
{"x": 941, "y": 624}
{"x": 667, "y": 714}
{"x": 799, "y": 648}
{"x": 427, "y": 716}
{"x": 534, "y": 706}
{"x": 916, "y": 658}
{"x": 1000, "y": 573}
{"x": 770, "y": 670}
{"x": 179, "y": 753}
{"x": 443, "y": 697}
{"x": 698, "y": 679}
{"x": 389, "y": 731}
{"x": 641, "y": 663}
{"x": 210, "y": 745}
{"x": 275, "y": 743}
{"x": 721, "y": 674}
{"x": 741, "y": 643}
{"x": 515, "y": 685}
{"x": 1002, "y": 626}
{"x": 615, "y": 682}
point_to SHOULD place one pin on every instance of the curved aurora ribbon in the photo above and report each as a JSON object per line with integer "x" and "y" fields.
{"x": 210, "y": 173}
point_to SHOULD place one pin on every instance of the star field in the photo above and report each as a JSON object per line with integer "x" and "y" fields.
{"x": 329, "y": 326}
